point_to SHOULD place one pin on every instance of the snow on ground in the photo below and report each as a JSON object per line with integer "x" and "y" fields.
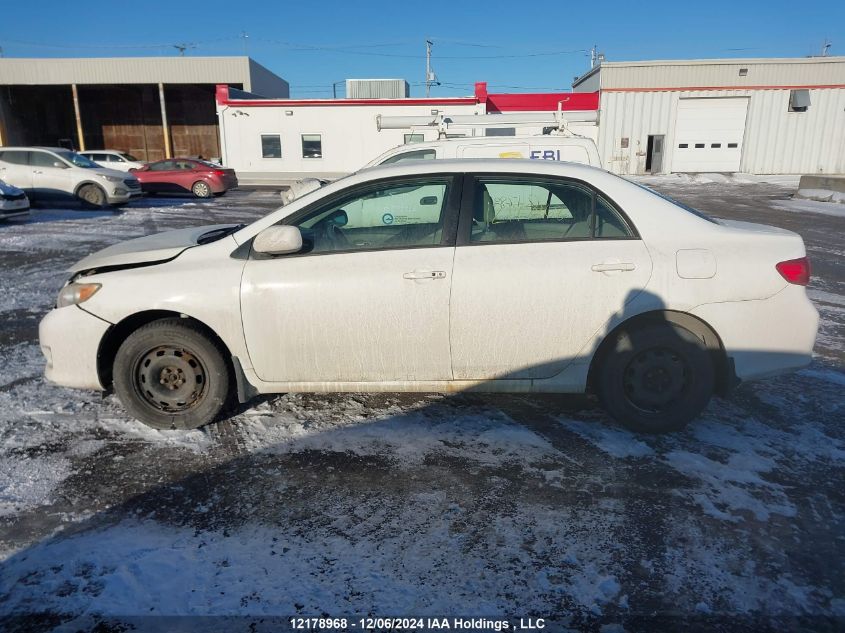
{"x": 796, "y": 205}
{"x": 412, "y": 504}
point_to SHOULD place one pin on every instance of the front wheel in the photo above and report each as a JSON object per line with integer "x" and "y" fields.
{"x": 655, "y": 378}
{"x": 201, "y": 189}
{"x": 92, "y": 196}
{"x": 169, "y": 375}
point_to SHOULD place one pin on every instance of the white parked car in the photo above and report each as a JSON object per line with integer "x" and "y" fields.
{"x": 54, "y": 173}
{"x": 113, "y": 159}
{"x": 555, "y": 147}
{"x": 13, "y": 201}
{"x": 492, "y": 275}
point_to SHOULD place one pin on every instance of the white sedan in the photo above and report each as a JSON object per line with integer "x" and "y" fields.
{"x": 465, "y": 275}
{"x": 112, "y": 159}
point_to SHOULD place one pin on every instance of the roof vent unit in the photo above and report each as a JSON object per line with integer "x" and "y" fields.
{"x": 377, "y": 89}
{"x": 799, "y": 100}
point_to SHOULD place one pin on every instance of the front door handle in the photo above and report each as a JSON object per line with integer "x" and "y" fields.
{"x": 610, "y": 267}
{"x": 425, "y": 274}
{"x": 36, "y": 171}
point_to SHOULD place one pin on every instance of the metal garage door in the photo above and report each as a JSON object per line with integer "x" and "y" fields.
{"x": 708, "y": 134}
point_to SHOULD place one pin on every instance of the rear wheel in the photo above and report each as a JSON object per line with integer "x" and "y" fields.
{"x": 655, "y": 378}
{"x": 170, "y": 375}
{"x": 92, "y": 196}
{"x": 201, "y": 189}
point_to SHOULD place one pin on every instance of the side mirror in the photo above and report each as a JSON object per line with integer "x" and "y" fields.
{"x": 278, "y": 240}
{"x": 59, "y": 164}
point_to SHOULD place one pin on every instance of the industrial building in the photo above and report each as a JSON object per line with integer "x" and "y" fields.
{"x": 280, "y": 140}
{"x": 150, "y": 107}
{"x": 759, "y": 116}
{"x": 762, "y": 116}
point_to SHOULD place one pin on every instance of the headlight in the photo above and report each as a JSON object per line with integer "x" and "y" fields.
{"x": 111, "y": 178}
{"x": 74, "y": 293}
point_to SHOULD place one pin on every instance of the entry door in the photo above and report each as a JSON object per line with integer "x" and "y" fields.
{"x": 533, "y": 285}
{"x": 368, "y": 299}
{"x": 709, "y": 134}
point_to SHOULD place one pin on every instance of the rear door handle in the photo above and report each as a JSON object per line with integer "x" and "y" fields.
{"x": 425, "y": 274}
{"x": 613, "y": 267}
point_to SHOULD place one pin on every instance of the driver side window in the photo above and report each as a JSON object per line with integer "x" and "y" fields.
{"x": 395, "y": 215}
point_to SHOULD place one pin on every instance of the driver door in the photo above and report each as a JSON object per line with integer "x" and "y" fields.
{"x": 367, "y": 300}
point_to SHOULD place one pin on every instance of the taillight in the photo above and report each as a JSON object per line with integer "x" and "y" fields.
{"x": 218, "y": 172}
{"x": 795, "y": 271}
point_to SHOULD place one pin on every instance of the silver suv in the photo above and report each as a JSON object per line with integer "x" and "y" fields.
{"x": 54, "y": 173}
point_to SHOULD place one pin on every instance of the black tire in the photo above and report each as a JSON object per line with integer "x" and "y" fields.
{"x": 169, "y": 375}
{"x": 92, "y": 196}
{"x": 655, "y": 378}
{"x": 202, "y": 189}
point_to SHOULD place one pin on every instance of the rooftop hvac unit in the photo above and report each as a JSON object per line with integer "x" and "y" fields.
{"x": 377, "y": 89}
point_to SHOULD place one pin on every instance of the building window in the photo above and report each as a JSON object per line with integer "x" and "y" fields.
{"x": 683, "y": 145}
{"x": 699, "y": 145}
{"x": 414, "y": 138}
{"x": 715, "y": 145}
{"x": 500, "y": 131}
{"x": 271, "y": 146}
{"x": 743, "y": 72}
{"x": 312, "y": 146}
{"x": 799, "y": 100}
{"x": 733, "y": 145}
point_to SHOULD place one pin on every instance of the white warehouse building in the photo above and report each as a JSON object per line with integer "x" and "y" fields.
{"x": 761, "y": 116}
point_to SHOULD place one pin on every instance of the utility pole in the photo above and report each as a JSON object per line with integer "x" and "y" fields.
{"x": 429, "y": 74}
{"x": 825, "y": 47}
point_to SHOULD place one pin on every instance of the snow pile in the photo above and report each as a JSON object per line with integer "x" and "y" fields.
{"x": 821, "y": 195}
{"x": 794, "y": 205}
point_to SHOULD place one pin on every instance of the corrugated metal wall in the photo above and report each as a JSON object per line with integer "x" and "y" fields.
{"x": 776, "y": 141}
{"x": 377, "y": 89}
{"x": 712, "y": 73}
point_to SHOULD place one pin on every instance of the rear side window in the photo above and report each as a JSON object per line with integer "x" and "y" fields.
{"x": 530, "y": 211}
{"x": 420, "y": 154}
{"x": 165, "y": 165}
{"x": 15, "y": 157}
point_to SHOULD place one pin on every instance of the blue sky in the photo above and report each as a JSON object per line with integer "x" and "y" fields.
{"x": 514, "y": 46}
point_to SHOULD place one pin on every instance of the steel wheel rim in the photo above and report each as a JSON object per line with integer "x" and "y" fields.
{"x": 656, "y": 379}
{"x": 170, "y": 378}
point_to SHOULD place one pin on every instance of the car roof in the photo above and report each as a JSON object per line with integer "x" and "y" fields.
{"x": 29, "y": 148}
{"x": 488, "y": 165}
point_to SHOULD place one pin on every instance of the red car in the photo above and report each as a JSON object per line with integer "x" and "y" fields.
{"x": 182, "y": 175}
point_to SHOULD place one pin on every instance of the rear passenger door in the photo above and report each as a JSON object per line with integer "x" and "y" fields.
{"x": 15, "y": 169}
{"x": 541, "y": 265}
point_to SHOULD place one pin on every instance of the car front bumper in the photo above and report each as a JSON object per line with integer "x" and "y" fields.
{"x": 13, "y": 208}
{"x": 70, "y": 338}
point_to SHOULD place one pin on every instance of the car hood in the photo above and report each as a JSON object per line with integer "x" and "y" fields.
{"x": 145, "y": 250}
{"x": 110, "y": 172}
{"x": 9, "y": 190}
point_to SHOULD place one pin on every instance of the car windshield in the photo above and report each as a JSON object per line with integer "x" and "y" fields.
{"x": 130, "y": 157}
{"x": 78, "y": 160}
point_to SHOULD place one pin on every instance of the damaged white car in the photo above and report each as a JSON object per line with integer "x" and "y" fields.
{"x": 455, "y": 275}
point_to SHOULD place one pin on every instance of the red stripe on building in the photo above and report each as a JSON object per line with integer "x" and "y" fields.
{"x": 535, "y": 101}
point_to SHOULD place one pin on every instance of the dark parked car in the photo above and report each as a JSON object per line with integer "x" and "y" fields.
{"x": 184, "y": 175}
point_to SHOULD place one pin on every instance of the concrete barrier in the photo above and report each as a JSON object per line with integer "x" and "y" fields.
{"x": 822, "y": 188}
